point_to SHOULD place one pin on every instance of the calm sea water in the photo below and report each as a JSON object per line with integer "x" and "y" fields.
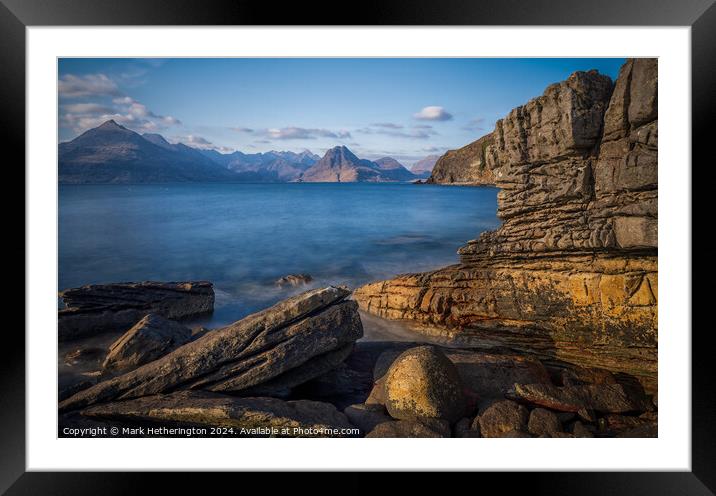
{"x": 243, "y": 237}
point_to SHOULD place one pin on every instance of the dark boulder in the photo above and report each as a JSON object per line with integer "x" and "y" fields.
{"x": 502, "y": 417}
{"x": 543, "y": 421}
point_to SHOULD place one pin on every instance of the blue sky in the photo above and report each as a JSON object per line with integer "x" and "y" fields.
{"x": 405, "y": 108}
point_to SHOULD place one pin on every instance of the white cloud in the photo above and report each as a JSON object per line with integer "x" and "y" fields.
{"x": 404, "y": 157}
{"x": 104, "y": 101}
{"x": 418, "y": 132}
{"x": 123, "y": 100}
{"x": 200, "y": 143}
{"x": 82, "y": 122}
{"x": 289, "y": 133}
{"x": 387, "y": 125}
{"x": 88, "y": 108}
{"x": 433, "y": 113}
{"x": 192, "y": 140}
{"x": 71, "y": 86}
{"x": 140, "y": 111}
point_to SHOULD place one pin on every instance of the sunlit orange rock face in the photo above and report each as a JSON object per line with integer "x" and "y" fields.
{"x": 571, "y": 274}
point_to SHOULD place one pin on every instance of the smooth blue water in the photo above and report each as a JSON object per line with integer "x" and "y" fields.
{"x": 243, "y": 237}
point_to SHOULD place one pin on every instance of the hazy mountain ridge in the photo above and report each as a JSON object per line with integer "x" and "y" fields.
{"x": 269, "y": 166}
{"x": 394, "y": 170}
{"x": 423, "y": 168}
{"x": 339, "y": 164}
{"x": 111, "y": 153}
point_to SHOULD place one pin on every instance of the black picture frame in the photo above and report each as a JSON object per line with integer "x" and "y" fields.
{"x": 16, "y": 15}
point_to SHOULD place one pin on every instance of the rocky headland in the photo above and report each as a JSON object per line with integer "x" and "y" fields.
{"x": 571, "y": 274}
{"x": 464, "y": 166}
{"x": 546, "y": 328}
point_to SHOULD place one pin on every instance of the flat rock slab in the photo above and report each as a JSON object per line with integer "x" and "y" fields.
{"x": 251, "y": 351}
{"x": 604, "y": 398}
{"x": 283, "y": 385}
{"x": 247, "y": 416}
{"x": 98, "y": 308}
{"x": 150, "y": 338}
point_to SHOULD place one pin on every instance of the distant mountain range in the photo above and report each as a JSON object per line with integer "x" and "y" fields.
{"x": 270, "y": 166}
{"x": 111, "y": 153}
{"x": 423, "y": 168}
{"x": 392, "y": 170}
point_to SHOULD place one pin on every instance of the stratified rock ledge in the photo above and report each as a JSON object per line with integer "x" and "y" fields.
{"x": 100, "y": 308}
{"x": 571, "y": 275}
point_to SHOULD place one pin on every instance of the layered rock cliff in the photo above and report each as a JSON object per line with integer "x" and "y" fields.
{"x": 571, "y": 275}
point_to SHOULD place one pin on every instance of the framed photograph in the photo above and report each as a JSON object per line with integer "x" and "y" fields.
{"x": 427, "y": 240}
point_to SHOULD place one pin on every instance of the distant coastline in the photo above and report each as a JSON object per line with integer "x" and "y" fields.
{"x": 114, "y": 154}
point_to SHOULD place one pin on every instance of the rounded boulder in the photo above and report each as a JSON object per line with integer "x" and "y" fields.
{"x": 423, "y": 383}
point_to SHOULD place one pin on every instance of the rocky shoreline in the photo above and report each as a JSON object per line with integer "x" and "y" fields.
{"x": 548, "y": 325}
{"x": 298, "y": 369}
